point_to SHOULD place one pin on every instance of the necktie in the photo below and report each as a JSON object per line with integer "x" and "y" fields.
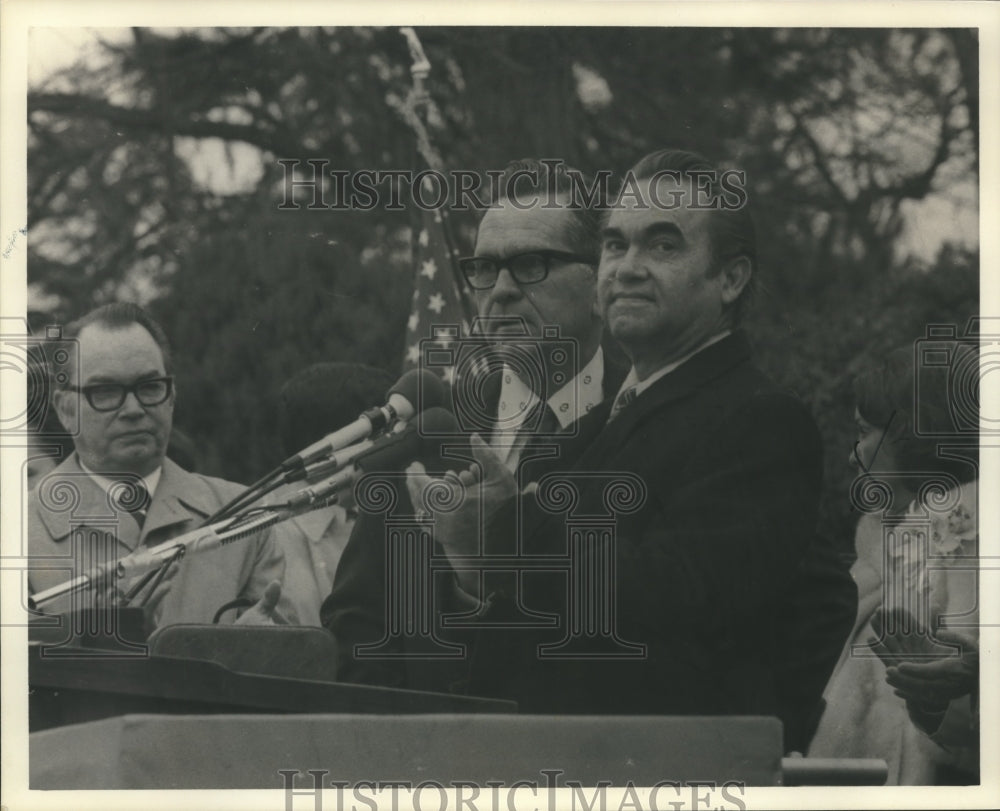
{"x": 539, "y": 426}
{"x": 132, "y": 497}
{"x": 540, "y": 421}
{"x": 626, "y": 398}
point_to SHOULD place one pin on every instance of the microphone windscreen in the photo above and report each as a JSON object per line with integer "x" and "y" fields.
{"x": 422, "y": 439}
{"x": 437, "y": 421}
{"x": 421, "y": 387}
{"x": 391, "y": 452}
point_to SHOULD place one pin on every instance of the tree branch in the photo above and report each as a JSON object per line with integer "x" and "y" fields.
{"x": 282, "y": 144}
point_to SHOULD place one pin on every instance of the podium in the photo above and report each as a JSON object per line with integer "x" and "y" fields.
{"x": 207, "y": 670}
{"x": 251, "y": 751}
{"x": 190, "y": 712}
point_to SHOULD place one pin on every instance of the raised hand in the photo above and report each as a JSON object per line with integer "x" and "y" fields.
{"x": 265, "y": 610}
{"x": 932, "y": 684}
{"x": 478, "y": 491}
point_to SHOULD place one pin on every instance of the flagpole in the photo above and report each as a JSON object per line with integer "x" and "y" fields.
{"x": 415, "y": 110}
{"x": 418, "y": 102}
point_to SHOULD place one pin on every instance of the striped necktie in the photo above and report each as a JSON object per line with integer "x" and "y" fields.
{"x": 132, "y": 497}
{"x": 623, "y": 400}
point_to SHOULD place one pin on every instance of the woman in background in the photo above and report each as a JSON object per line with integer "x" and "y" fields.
{"x": 917, "y": 585}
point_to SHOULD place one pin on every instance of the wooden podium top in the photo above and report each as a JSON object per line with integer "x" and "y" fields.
{"x": 67, "y": 690}
{"x": 250, "y": 751}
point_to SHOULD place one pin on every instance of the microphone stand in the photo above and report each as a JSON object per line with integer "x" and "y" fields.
{"x": 138, "y": 562}
{"x": 213, "y": 536}
{"x": 156, "y": 575}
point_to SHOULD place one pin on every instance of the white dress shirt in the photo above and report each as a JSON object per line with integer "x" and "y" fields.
{"x": 569, "y": 403}
{"x": 150, "y": 480}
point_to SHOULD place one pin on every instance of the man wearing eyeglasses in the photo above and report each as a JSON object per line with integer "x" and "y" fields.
{"x": 118, "y": 491}
{"x": 534, "y": 268}
{"x": 723, "y": 602}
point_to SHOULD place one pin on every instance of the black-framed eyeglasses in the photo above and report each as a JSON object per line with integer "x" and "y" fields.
{"x": 111, "y": 396}
{"x": 878, "y": 447}
{"x": 481, "y": 272}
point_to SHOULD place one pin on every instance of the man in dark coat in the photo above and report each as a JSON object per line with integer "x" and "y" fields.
{"x": 705, "y": 590}
{"x": 534, "y": 270}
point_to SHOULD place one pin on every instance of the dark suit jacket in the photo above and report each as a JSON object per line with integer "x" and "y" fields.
{"x": 720, "y": 575}
{"x": 355, "y": 611}
{"x": 707, "y": 571}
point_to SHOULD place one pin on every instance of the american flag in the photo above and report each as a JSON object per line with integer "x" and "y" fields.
{"x": 439, "y": 303}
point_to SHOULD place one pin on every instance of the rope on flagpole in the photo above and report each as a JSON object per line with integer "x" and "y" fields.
{"x": 418, "y": 101}
{"x": 418, "y": 111}
{"x": 421, "y": 67}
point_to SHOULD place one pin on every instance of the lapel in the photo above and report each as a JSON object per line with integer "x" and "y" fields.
{"x": 180, "y": 497}
{"x": 589, "y": 425}
{"x": 615, "y": 372}
{"x": 70, "y": 500}
{"x": 572, "y": 442}
{"x": 672, "y": 388}
{"x": 599, "y": 443}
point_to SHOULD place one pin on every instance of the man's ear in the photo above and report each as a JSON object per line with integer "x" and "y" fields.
{"x": 735, "y": 275}
{"x": 67, "y": 405}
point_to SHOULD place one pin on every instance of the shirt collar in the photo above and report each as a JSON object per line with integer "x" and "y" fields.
{"x": 569, "y": 403}
{"x": 632, "y": 379}
{"x": 150, "y": 480}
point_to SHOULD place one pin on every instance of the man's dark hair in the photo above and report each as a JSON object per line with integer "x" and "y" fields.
{"x": 886, "y": 397}
{"x": 529, "y": 178}
{"x": 120, "y": 315}
{"x": 327, "y": 396}
{"x": 732, "y": 229}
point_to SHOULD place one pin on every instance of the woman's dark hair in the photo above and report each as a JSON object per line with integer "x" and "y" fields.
{"x": 325, "y": 396}
{"x": 888, "y": 394}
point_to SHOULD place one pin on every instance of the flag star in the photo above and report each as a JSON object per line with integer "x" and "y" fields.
{"x": 424, "y": 238}
{"x": 436, "y": 303}
{"x": 413, "y": 322}
{"x": 413, "y": 354}
{"x": 429, "y": 268}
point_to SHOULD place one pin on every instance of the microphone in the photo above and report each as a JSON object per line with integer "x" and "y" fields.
{"x": 317, "y": 471}
{"x": 142, "y": 560}
{"x": 416, "y": 386}
{"x": 387, "y": 453}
